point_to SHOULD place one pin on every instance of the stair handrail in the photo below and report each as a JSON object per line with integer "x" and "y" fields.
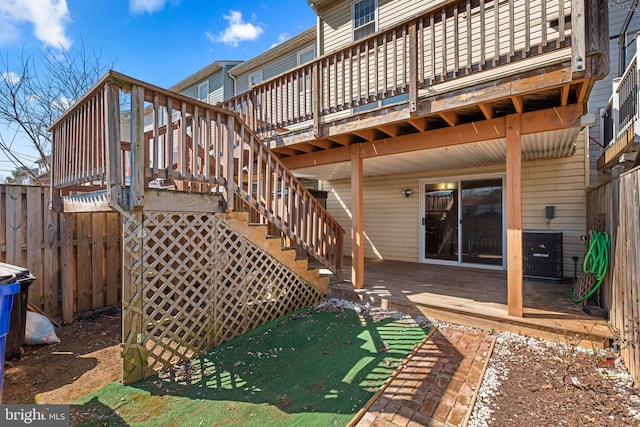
{"x": 88, "y": 150}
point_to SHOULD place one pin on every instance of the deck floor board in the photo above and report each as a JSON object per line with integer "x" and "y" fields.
{"x": 473, "y": 293}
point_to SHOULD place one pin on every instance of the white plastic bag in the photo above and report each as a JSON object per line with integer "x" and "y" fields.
{"x": 39, "y": 330}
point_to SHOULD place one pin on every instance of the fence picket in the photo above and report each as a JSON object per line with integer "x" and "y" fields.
{"x": 34, "y": 237}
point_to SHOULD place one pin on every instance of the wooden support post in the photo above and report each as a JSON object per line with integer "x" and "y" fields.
{"x": 514, "y": 216}
{"x": 134, "y": 353}
{"x": 113, "y": 141}
{"x": 357, "y": 219}
{"x": 68, "y": 267}
{"x": 229, "y": 169}
{"x": 136, "y": 175}
{"x": 597, "y": 36}
{"x": 413, "y": 70}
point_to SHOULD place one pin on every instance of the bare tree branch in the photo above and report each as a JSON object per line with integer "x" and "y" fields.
{"x": 36, "y": 89}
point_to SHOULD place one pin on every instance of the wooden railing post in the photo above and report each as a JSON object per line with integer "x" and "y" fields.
{"x": 136, "y": 173}
{"x": 615, "y": 108}
{"x": 578, "y": 37}
{"x": 113, "y": 149}
{"x": 229, "y": 169}
{"x": 316, "y": 98}
{"x": 413, "y": 69}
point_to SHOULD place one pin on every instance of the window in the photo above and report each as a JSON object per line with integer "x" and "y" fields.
{"x": 364, "y": 17}
{"x": 255, "y": 78}
{"x": 305, "y": 56}
{"x": 203, "y": 91}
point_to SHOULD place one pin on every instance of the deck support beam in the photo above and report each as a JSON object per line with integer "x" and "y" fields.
{"x": 357, "y": 218}
{"x": 514, "y": 216}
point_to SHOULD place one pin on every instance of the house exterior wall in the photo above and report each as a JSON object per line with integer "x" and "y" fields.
{"x": 281, "y": 64}
{"x": 217, "y": 87}
{"x": 335, "y": 25}
{"x": 392, "y": 222}
{"x": 602, "y": 89}
{"x": 229, "y": 84}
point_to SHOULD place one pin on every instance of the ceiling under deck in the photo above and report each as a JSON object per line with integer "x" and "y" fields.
{"x": 546, "y": 145}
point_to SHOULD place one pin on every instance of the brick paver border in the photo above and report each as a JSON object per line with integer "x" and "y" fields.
{"x": 436, "y": 385}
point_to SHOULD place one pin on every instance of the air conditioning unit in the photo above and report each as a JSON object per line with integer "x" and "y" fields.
{"x": 542, "y": 255}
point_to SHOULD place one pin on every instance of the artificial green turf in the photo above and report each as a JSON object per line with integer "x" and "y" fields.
{"x": 312, "y": 368}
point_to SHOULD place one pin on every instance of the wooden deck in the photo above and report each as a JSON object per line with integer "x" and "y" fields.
{"x": 475, "y": 297}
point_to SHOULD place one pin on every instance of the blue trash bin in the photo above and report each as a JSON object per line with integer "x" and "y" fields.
{"x": 8, "y": 287}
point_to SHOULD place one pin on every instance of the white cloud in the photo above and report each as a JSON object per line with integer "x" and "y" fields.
{"x": 283, "y": 37}
{"x": 48, "y": 17}
{"x": 148, "y": 6}
{"x": 236, "y": 31}
{"x": 62, "y": 104}
{"x": 10, "y": 77}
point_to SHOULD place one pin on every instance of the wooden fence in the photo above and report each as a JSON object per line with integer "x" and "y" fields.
{"x": 619, "y": 201}
{"x": 76, "y": 258}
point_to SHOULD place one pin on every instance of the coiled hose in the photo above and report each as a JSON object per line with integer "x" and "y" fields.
{"x": 596, "y": 262}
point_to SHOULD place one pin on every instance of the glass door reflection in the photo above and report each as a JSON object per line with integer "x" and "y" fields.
{"x": 481, "y": 227}
{"x": 441, "y": 221}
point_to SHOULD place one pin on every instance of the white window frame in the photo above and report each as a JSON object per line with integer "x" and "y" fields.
{"x": 201, "y": 85}
{"x": 252, "y": 76}
{"x": 353, "y": 21}
{"x": 302, "y": 52}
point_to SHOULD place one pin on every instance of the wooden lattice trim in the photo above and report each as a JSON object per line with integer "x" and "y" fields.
{"x": 192, "y": 282}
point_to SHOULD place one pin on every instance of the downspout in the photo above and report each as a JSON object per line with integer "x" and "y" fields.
{"x": 622, "y": 39}
{"x": 235, "y": 89}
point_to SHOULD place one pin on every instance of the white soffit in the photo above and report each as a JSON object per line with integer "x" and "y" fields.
{"x": 539, "y": 146}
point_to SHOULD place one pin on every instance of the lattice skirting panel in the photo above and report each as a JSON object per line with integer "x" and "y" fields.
{"x": 191, "y": 283}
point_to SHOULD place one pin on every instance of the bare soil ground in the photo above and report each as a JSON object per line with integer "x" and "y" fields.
{"x": 528, "y": 382}
{"x": 87, "y": 358}
{"x": 532, "y": 382}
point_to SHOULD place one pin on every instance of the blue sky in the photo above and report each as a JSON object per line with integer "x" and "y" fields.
{"x": 157, "y": 41}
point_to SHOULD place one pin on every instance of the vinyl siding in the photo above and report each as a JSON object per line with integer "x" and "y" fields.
{"x": 336, "y": 24}
{"x": 392, "y": 221}
{"x": 216, "y": 88}
{"x": 229, "y": 87}
{"x": 602, "y": 89}
{"x": 282, "y": 64}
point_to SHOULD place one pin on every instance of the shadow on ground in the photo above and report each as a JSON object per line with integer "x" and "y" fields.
{"x": 314, "y": 367}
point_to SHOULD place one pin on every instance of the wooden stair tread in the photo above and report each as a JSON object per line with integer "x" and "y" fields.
{"x": 286, "y": 255}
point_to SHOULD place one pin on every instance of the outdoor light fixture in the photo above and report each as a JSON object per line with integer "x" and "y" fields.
{"x": 407, "y": 192}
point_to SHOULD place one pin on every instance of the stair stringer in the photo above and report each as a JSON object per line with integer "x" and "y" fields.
{"x": 257, "y": 234}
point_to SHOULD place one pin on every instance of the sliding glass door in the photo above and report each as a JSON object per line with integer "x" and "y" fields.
{"x": 481, "y": 226}
{"x": 441, "y": 221}
{"x": 462, "y": 222}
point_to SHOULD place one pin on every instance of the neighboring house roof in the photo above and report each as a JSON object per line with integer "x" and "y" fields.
{"x": 294, "y": 42}
{"x": 320, "y": 5}
{"x": 205, "y": 72}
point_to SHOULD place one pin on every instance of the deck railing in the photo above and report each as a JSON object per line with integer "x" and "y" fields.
{"x": 626, "y": 99}
{"x": 621, "y": 114}
{"x": 445, "y": 43}
{"x": 178, "y": 142}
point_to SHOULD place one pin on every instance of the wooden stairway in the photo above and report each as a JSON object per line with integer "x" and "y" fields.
{"x": 274, "y": 246}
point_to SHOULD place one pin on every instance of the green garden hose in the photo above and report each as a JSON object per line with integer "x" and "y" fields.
{"x": 596, "y": 262}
